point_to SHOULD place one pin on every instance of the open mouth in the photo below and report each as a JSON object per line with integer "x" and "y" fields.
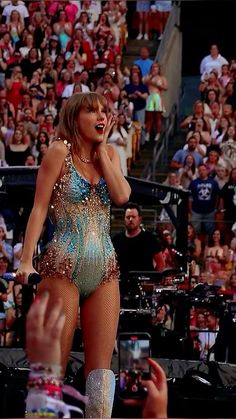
{"x": 100, "y": 128}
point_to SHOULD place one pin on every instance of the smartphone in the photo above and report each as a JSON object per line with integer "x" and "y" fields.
{"x": 133, "y": 350}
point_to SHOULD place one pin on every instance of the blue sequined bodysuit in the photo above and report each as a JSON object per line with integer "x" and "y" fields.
{"x": 81, "y": 248}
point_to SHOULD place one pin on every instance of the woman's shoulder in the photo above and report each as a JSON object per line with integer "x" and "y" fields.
{"x": 60, "y": 147}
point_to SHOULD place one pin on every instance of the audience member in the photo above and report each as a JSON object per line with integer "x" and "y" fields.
{"x": 214, "y": 61}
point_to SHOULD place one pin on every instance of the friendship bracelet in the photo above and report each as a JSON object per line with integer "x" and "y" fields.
{"x": 54, "y": 369}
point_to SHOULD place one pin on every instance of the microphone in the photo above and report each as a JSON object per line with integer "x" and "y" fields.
{"x": 33, "y": 278}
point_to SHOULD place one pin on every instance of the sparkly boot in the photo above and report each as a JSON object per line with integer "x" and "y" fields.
{"x": 100, "y": 389}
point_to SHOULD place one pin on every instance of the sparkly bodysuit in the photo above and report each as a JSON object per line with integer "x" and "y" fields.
{"x": 81, "y": 248}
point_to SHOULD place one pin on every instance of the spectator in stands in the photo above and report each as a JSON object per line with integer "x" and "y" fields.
{"x": 5, "y": 248}
{"x": 169, "y": 253}
{"x": 118, "y": 139}
{"x": 228, "y": 112}
{"x": 15, "y": 26}
{"x": 211, "y": 83}
{"x": 3, "y": 295}
{"x": 163, "y": 9}
{"x": 6, "y": 107}
{"x": 228, "y": 147}
{"x": 86, "y": 27}
{"x": 194, "y": 249}
{"x": 144, "y": 62}
{"x": 15, "y": 5}
{"x": 211, "y": 97}
{"x": 208, "y": 338}
{"x": 77, "y": 53}
{"x": 198, "y": 112}
{"x": 188, "y": 172}
{"x": 143, "y": 8}
{"x": 228, "y": 202}
{"x": 214, "y": 117}
{"x": 102, "y": 55}
{"x": 201, "y": 147}
{"x": 225, "y": 77}
{"x": 231, "y": 284}
{"x": 137, "y": 94}
{"x": 204, "y": 201}
{"x": 222, "y": 176}
{"x": 7, "y": 49}
{"x": 30, "y": 161}
{"x": 130, "y": 245}
{"x": 221, "y": 130}
{"x": 216, "y": 253}
{"x": 15, "y": 85}
{"x": 63, "y": 29}
{"x": 179, "y": 157}
{"x": 109, "y": 89}
{"x": 17, "y": 150}
{"x": 214, "y": 61}
{"x": 30, "y": 64}
{"x": 102, "y": 29}
{"x": 156, "y": 84}
{"x": 212, "y": 160}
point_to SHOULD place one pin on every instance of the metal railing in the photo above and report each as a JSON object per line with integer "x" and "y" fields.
{"x": 160, "y": 149}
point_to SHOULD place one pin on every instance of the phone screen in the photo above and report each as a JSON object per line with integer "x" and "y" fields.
{"x": 134, "y": 349}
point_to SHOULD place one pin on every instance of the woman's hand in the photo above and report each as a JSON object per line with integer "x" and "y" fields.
{"x": 44, "y": 330}
{"x": 23, "y": 272}
{"x": 155, "y": 405}
{"x": 110, "y": 123}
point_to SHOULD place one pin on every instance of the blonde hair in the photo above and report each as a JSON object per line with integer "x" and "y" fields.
{"x": 68, "y": 128}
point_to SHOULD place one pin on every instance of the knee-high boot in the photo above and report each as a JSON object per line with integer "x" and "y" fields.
{"x": 100, "y": 389}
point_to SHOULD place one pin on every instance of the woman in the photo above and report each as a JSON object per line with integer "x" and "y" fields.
{"x": 31, "y": 64}
{"x": 143, "y": 8}
{"x": 28, "y": 44}
{"x": 63, "y": 29}
{"x": 15, "y": 26}
{"x": 86, "y": 27}
{"x": 188, "y": 172}
{"x": 216, "y": 254}
{"x": 65, "y": 79}
{"x": 5, "y": 248}
{"x": 109, "y": 89}
{"x": 118, "y": 139}
{"x": 18, "y": 150}
{"x": 221, "y": 131}
{"x": 137, "y": 94}
{"x": 156, "y": 83}
{"x": 76, "y": 52}
{"x": 80, "y": 260}
{"x": 15, "y": 85}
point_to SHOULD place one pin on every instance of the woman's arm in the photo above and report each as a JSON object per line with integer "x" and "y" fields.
{"x": 118, "y": 186}
{"x": 48, "y": 174}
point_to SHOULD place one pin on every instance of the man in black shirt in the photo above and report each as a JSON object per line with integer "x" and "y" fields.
{"x": 137, "y": 250}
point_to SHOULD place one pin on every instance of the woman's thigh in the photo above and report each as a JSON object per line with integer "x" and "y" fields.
{"x": 99, "y": 321}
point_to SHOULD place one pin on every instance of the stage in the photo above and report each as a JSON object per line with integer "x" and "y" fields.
{"x": 189, "y": 396}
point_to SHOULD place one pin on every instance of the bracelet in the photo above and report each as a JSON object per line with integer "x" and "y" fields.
{"x": 38, "y": 367}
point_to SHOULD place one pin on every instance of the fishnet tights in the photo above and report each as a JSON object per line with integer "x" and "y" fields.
{"x": 61, "y": 287}
{"x": 99, "y": 319}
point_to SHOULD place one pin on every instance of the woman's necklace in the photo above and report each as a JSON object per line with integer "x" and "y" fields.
{"x": 85, "y": 160}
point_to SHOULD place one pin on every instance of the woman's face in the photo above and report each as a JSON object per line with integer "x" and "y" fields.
{"x": 224, "y": 123}
{"x": 33, "y": 54}
{"x": 233, "y": 281}
{"x": 212, "y": 78}
{"x": 216, "y": 236}
{"x": 212, "y": 96}
{"x": 229, "y": 89}
{"x": 231, "y": 132}
{"x": 155, "y": 69}
{"x": 135, "y": 78}
{"x": 198, "y": 108}
{"x": 221, "y": 172}
{"x": 213, "y": 157}
{"x": 29, "y": 39}
{"x": 225, "y": 70}
{"x": 18, "y": 136}
{"x": 190, "y": 230}
{"x": 118, "y": 60}
{"x": 189, "y": 160}
{"x": 42, "y": 137}
{"x": 92, "y": 124}
{"x": 84, "y": 17}
{"x": 103, "y": 19}
{"x": 62, "y": 15}
{"x": 15, "y": 15}
{"x": 199, "y": 125}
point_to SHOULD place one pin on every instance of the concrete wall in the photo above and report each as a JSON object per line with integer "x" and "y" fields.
{"x": 169, "y": 55}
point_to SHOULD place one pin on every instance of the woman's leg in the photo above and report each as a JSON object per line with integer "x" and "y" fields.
{"x": 99, "y": 320}
{"x": 158, "y": 121}
{"x": 62, "y": 287}
{"x": 148, "y": 124}
{"x": 141, "y": 20}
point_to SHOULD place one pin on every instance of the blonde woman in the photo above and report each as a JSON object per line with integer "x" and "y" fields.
{"x": 79, "y": 262}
